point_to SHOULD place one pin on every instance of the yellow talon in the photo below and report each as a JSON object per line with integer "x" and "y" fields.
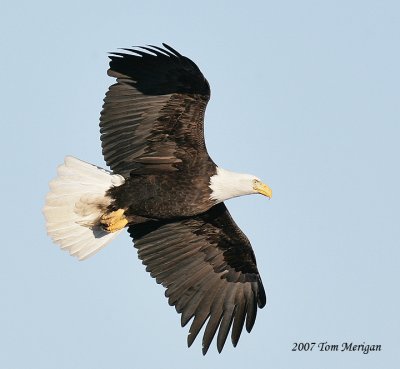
{"x": 114, "y": 221}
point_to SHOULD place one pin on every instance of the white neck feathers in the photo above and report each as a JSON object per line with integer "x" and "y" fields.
{"x": 226, "y": 185}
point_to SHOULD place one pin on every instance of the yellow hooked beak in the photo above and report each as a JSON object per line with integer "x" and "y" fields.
{"x": 262, "y": 188}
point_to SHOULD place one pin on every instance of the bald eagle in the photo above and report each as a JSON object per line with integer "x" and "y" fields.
{"x": 166, "y": 190}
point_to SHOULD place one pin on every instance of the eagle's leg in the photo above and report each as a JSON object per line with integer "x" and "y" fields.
{"x": 114, "y": 221}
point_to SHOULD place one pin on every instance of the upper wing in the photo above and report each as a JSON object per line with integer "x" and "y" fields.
{"x": 209, "y": 270}
{"x": 154, "y": 114}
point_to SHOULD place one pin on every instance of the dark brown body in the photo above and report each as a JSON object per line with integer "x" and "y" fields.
{"x": 153, "y": 196}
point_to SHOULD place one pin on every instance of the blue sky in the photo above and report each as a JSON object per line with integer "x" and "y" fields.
{"x": 305, "y": 95}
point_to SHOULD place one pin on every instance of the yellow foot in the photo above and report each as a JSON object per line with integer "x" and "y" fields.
{"x": 114, "y": 221}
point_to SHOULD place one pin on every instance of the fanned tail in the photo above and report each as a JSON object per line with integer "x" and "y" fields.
{"x": 74, "y": 205}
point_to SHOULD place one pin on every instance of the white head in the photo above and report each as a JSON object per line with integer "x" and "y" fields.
{"x": 226, "y": 185}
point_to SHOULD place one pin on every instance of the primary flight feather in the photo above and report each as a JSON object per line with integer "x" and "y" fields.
{"x": 167, "y": 191}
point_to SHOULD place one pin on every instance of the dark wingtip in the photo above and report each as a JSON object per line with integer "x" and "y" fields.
{"x": 169, "y": 48}
{"x": 262, "y": 297}
{"x": 190, "y": 339}
{"x": 164, "y": 51}
{"x": 158, "y": 71}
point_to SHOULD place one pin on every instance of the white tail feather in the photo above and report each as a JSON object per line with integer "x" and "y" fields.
{"x": 75, "y": 204}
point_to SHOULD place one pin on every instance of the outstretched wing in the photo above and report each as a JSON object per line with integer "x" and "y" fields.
{"x": 153, "y": 116}
{"x": 209, "y": 271}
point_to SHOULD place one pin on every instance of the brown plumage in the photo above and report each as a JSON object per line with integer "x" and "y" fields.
{"x": 208, "y": 267}
{"x": 168, "y": 192}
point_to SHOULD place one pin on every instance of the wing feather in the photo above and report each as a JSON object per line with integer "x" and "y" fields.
{"x": 227, "y": 318}
{"x": 154, "y": 112}
{"x": 209, "y": 271}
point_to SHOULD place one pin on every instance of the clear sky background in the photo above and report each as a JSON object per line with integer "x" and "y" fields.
{"x": 305, "y": 95}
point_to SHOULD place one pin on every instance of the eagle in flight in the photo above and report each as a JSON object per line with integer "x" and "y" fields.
{"x": 166, "y": 190}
